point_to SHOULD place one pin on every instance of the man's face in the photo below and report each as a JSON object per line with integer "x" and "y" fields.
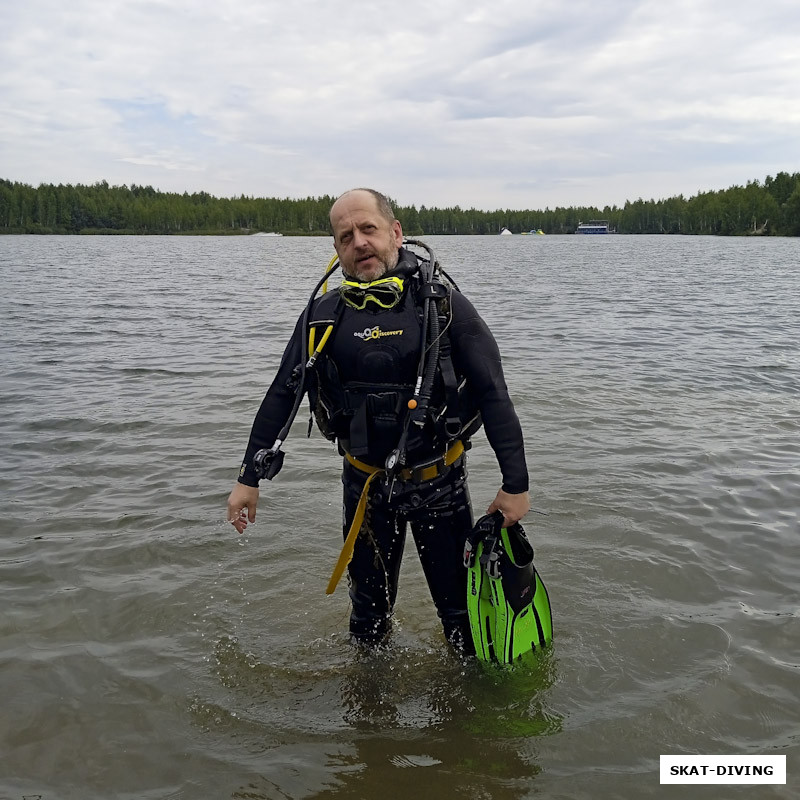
{"x": 365, "y": 241}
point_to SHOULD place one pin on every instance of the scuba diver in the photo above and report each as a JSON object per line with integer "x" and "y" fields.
{"x": 400, "y": 371}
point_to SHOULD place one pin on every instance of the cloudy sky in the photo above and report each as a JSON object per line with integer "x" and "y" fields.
{"x": 509, "y": 104}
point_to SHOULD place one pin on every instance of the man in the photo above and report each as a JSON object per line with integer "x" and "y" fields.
{"x": 365, "y": 390}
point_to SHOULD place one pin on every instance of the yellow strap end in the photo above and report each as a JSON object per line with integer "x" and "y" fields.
{"x": 346, "y": 556}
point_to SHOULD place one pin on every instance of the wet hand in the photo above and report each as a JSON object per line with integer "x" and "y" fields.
{"x": 513, "y": 506}
{"x": 242, "y": 503}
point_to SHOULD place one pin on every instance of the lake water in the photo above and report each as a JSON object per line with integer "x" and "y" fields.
{"x": 149, "y": 652}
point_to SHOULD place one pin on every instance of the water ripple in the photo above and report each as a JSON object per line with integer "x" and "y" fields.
{"x": 147, "y": 646}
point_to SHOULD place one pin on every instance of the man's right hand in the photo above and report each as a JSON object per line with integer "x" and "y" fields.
{"x": 242, "y": 503}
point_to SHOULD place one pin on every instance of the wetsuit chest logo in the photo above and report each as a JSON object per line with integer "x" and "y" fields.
{"x": 375, "y": 333}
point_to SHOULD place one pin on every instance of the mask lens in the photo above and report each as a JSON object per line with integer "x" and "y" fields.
{"x": 385, "y": 293}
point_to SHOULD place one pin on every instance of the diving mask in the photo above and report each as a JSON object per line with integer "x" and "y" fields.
{"x": 384, "y": 292}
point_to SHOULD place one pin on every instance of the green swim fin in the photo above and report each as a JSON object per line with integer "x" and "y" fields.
{"x": 507, "y": 601}
{"x": 480, "y": 608}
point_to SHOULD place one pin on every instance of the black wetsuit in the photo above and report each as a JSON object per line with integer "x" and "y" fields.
{"x": 367, "y": 370}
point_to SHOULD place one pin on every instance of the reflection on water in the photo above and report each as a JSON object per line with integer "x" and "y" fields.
{"x": 399, "y": 709}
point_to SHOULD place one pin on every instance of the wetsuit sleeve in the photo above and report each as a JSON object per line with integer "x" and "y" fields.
{"x": 275, "y": 407}
{"x": 477, "y": 357}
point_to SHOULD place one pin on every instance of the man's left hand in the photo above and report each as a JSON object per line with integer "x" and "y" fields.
{"x": 513, "y": 506}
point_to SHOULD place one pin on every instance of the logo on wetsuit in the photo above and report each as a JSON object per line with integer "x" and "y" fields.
{"x": 375, "y": 333}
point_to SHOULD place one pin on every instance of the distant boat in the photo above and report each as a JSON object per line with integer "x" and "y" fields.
{"x": 533, "y": 232}
{"x": 594, "y": 226}
{"x": 261, "y": 233}
{"x": 505, "y": 232}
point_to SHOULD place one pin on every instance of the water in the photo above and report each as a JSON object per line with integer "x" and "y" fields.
{"x": 149, "y": 652}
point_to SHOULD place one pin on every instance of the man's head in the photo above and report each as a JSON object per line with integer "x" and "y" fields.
{"x": 366, "y": 234}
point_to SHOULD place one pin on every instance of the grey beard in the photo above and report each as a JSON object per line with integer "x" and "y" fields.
{"x": 387, "y": 268}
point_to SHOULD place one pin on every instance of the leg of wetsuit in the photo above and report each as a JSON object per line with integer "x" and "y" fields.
{"x": 375, "y": 567}
{"x": 440, "y": 529}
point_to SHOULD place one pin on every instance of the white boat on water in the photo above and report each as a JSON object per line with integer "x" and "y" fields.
{"x": 505, "y": 232}
{"x": 261, "y": 233}
{"x": 594, "y": 226}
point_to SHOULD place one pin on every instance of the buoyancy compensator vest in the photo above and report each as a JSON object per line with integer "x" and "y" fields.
{"x": 375, "y": 391}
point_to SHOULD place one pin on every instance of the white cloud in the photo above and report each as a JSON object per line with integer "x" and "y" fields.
{"x": 524, "y": 104}
{"x": 164, "y": 160}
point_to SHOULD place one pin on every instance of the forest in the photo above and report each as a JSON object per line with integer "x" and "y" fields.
{"x": 770, "y": 207}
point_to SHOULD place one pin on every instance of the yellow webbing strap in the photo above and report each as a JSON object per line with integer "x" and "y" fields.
{"x": 361, "y": 465}
{"x": 346, "y": 556}
{"x": 427, "y": 474}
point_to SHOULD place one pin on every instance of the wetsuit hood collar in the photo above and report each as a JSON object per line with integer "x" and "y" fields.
{"x": 407, "y": 265}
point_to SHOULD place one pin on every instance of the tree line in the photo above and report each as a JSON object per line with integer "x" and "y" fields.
{"x": 769, "y": 207}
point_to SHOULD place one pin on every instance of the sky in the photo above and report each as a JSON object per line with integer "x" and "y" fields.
{"x": 521, "y": 104}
